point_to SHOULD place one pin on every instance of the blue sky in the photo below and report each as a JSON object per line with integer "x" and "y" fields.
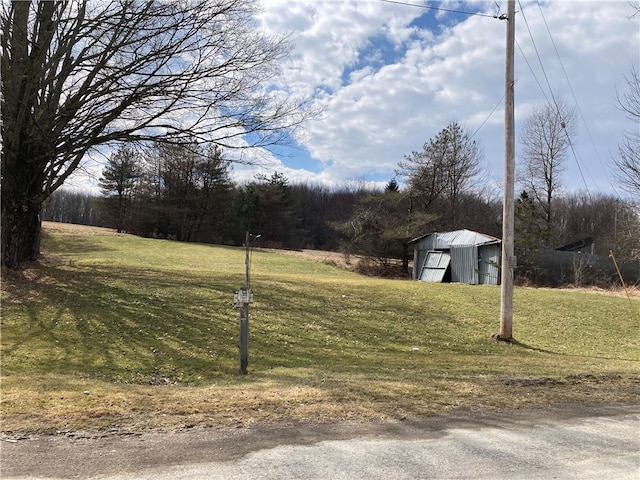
{"x": 389, "y": 77}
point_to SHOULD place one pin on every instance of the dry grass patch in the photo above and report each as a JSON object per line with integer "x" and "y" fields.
{"x": 141, "y": 408}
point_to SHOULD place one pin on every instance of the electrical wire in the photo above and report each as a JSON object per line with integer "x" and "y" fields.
{"x": 535, "y": 47}
{"x": 533, "y": 73}
{"x": 495, "y": 107}
{"x": 554, "y": 101}
{"x": 429, "y": 7}
{"x": 575, "y": 156}
{"x": 553, "y": 97}
{"x": 573, "y": 94}
{"x": 498, "y": 16}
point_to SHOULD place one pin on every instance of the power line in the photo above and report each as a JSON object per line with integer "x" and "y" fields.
{"x": 429, "y": 7}
{"x": 495, "y": 107}
{"x": 535, "y": 77}
{"x": 499, "y": 16}
{"x": 573, "y": 94}
{"x": 575, "y": 156}
{"x": 535, "y": 47}
{"x": 553, "y": 97}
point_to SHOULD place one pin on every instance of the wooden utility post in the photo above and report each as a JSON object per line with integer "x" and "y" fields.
{"x": 244, "y": 337}
{"x": 508, "y": 208}
{"x": 243, "y": 298}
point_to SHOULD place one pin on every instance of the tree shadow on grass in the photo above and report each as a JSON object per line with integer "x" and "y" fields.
{"x": 526, "y": 346}
{"x": 73, "y": 244}
{"x": 324, "y": 329}
{"x": 148, "y": 326}
{"x": 565, "y": 354}
{"x": 128, "y": 326}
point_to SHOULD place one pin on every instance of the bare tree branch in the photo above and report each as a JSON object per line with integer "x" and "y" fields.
{"x": 546, "y": 138}
{"x": 78, "y": 75}
{"x": 627, "y": 162}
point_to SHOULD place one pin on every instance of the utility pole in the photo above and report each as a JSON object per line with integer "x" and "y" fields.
{"x": 508, "y": 207}
{"x": 243, "y": 298}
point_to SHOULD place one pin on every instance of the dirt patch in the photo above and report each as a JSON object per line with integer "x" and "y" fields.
{"x": 72, "y": 228}
{"x": 337, "y": 259}
{"x": 633, "y": 291}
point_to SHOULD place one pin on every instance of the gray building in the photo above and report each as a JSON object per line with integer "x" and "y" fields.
{"x": 461, "y": 256}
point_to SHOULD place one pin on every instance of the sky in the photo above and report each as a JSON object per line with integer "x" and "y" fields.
{"x": 388, "y": 77}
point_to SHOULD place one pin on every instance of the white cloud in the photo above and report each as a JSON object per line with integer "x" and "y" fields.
{"x": 388, "y": 81}
{"x": 375, "y": 113}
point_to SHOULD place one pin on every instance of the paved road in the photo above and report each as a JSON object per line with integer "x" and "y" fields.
{"x": 516, "y": 445}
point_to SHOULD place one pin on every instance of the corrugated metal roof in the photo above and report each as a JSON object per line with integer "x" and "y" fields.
{"x": 443, "y": 240}
{"x": 463, "y": 237}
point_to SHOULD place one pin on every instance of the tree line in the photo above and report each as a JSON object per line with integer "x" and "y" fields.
{"x": 184, "y": 192}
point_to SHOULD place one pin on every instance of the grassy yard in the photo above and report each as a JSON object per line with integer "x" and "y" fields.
{"x": 119, "y": 332}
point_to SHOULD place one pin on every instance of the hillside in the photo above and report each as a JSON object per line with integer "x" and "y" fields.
{"x": 114, "y": 331}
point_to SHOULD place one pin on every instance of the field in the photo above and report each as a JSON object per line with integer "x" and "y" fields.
{"x": 114, "y": 332}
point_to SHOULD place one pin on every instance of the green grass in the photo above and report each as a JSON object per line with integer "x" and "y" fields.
{"x": 149, "y": 329}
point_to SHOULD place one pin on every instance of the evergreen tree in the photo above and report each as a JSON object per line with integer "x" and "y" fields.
{"x": 119, "y": 179}
{"x": 440, "y": 175}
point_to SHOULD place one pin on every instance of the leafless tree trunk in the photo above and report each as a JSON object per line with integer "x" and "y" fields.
{"x": 78, "y": 75}
{"x": 546, "y": 138}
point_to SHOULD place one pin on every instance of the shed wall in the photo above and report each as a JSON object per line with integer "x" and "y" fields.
{"x": 489, "y": 264}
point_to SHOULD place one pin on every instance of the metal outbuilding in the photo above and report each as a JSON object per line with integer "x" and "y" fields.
{"x": 461, "y": 256}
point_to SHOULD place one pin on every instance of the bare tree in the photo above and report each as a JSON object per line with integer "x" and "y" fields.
{"x": 627, "y": 163}
{"x": 70, "y": 206}
{"x": 546, "y": 138}
{"x": 78, "y": 75}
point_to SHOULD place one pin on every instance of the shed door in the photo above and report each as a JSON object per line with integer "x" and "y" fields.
{"x": 464, "y": 264}
{"x": 435, "y": 266}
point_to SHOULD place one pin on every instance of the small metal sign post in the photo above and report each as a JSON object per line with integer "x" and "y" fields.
{"x": 242, "y": 299}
